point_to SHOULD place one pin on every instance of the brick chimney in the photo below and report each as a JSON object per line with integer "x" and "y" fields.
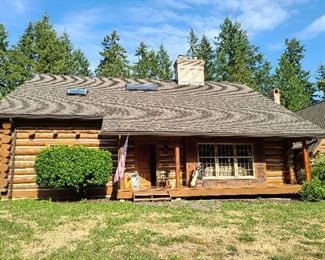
{"x": 276, "y": 95}
{"x": 189, "y": 71}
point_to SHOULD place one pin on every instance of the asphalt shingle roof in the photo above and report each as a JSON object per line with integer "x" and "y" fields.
{"x": 219, "y": 109}
{"x": 314, "y": 113}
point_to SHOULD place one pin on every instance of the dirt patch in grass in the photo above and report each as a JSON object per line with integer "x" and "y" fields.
{"x": 65, "y": 235}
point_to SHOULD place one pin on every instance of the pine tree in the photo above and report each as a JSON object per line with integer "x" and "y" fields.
{"x": 205, "y": 52}
{"x": 321, "y": 78}
{"x": 165, "y": 71}
{"x": 192, "y": 40}
{"x": 3, "y": 57}
{"x": 80, "y": 64}
{"x": 291, "y": 79}
{"x": 237, "y": 60}
{"x": 146, "y": 66}
{"x": 114, "y": 59}
{"x": 52, "y": 55}
{"x": 75, "y": 62}
{"x": 12, "y": 71}
{"x": 3, "y": 38}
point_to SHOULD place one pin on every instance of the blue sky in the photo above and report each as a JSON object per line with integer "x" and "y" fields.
{"x": 268, "y": 23}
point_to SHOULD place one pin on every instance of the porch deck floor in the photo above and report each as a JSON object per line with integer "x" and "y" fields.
{"x": 184, "y": 192}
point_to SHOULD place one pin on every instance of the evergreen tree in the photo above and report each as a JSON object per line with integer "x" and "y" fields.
{"x": 12, "y": 72}
{"x": 192, "y": 40}
{"x": 45, "y": 51}
{"x": 237, "y": 60}
{"x": 52, "y": 53}
{"x": 291, "y": 79}
{"x": 75, "y": 62}
{"x": 114, "y": 59}
{"x": 3, "y": 57}
{"x": 80, "y": 64}
{"x": 146, "y": 66}
{"x": 205, "y": 52}
{"x": 321, "y": 79}
{"x": 165, "y": 71}
{"x": 39, "y": 50}
{"x": 3, "y": 38}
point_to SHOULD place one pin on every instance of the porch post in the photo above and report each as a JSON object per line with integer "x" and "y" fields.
{"x": 177, "y": 166}
{"x": 306, "y": 161}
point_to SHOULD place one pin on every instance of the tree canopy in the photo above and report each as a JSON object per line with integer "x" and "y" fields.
{"x": 114, "y": 61}
{"x": 39, "y": 50}
{"x": 291, "y": 79}
{"x": 237, "y": 60}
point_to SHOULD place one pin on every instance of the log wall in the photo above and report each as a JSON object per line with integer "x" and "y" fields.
{"x": 272, "y": 158}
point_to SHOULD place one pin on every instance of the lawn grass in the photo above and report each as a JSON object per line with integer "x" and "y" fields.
{"x": 178, "y": 230}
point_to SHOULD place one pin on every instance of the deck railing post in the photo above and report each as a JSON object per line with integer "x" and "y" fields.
{"x": 177, "y": 166}
{"x": 306, "y": 161}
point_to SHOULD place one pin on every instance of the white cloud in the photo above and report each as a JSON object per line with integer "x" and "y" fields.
{"x": 316, "y": 28}
{"x": 168, "y": 22}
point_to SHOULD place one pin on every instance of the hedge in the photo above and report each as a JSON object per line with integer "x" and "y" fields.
{"x": 78, "y": 167}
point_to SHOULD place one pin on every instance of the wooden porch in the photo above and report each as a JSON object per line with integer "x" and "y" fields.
{"x": 185, "y": 192}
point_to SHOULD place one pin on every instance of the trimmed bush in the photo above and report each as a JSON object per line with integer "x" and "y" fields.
{"x": 76, "y": 167}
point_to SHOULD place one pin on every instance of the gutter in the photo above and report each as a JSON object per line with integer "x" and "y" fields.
{"x": 12, "y": 159}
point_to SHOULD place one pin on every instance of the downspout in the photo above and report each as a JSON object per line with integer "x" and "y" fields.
{"x": 12, "y": 159}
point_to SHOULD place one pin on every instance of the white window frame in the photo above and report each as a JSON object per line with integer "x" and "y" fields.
{"x": 216, "y": 159}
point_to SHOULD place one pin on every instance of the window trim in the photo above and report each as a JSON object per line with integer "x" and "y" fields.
{"x": 216, "y": 158}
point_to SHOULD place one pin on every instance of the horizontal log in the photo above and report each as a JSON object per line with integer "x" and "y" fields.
{"x": 46, "y": 142}
{"x": 25, "y": 171}
{"x": 20, "y": 179}
{"x": 59, "y": 136}
{"x": 48, "y": 130}
{"x": 274, "y": 180}
{"x": 23, "y": 164}
{"x": 6, "y": 125}
{"x": 25, "y": 157}
{"x": 275, "y": 173}
{"x": 24, "y": 186}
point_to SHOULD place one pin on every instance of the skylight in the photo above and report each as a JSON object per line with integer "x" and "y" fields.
{"x": 142, "y": 87}
{"x": 77, "y": 91}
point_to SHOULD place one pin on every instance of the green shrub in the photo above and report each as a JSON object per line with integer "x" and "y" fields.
{"x": 318, "y": 167}
{"x": 313, "y": 191}
{"x": 76, "y": 167}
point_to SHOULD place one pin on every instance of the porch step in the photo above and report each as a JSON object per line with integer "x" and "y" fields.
{"x": 151, "y": 195}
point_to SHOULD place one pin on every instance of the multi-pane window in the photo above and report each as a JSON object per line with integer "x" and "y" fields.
{"x": 206, "y": 154}
{"x": 226, "y": 160}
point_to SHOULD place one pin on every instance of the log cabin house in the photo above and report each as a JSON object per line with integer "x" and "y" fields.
{"x": 243, "y": 138}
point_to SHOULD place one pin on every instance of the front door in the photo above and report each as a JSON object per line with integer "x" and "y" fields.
{"x": 146, "y": 164}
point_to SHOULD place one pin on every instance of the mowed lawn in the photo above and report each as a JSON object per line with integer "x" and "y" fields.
{"x": 176, "y": 230}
